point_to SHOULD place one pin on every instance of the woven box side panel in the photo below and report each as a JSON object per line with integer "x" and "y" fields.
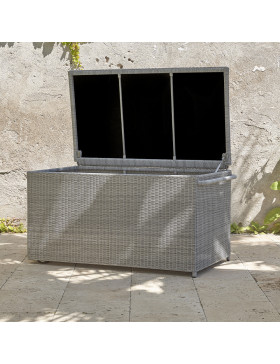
{"x": 212, "y": 224}
{"x": 128, "y": 220}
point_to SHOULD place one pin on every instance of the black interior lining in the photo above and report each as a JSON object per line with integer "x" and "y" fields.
{"x": 97, "y": 101}
{"x": 199, "y": 113}
{"x": 147, "y": 116}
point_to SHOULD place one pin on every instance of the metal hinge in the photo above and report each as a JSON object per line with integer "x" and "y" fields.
{"x": 78, "y": 154}
{"x": 225, "y": 162}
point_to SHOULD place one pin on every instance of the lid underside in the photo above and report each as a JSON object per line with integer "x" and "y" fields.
{"x": 169, "y": 116}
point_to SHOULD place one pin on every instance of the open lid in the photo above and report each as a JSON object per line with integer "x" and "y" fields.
{"x": 175, "y": 118}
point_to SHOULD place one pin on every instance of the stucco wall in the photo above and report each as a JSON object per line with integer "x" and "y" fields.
{"x": 35, "y": 119}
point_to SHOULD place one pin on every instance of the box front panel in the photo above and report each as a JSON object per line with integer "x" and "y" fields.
{"x": 142, "y": 221}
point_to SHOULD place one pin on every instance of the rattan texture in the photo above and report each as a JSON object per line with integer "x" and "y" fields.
{"x": 157, "y": 220}
{"x": 212, "y": 223}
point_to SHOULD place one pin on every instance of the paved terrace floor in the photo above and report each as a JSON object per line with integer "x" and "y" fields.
{"x": 247, "y": 288}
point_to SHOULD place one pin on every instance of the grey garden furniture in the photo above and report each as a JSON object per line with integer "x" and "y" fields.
{"x": 152, "y": 187}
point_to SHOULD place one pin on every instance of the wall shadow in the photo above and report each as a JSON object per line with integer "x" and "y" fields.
{"x": 47, "y": 47}
{"x": 271, "y": 198}
{"x": 9, "y": 44}
{"x": 257, "y": 183}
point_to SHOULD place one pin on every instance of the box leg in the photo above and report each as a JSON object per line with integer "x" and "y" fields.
{"x": 228, "y": 259}
{"x": 194, "y": 274}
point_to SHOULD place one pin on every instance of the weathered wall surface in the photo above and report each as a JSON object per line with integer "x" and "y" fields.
{"x": 35, "y": 118}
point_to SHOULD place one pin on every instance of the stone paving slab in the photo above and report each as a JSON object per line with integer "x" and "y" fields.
{"x": 162, "y": 296}
{"x": 234, "y": 270}
{"x": 250, "y": 311}
{"x": 38, "y": 278}
{"x": 247, "y": 288}
{"x": 99, "y": 294}
{"x": 31, "y": 300}
{"x": 3, "y": 278}
{"x": 110, "y": 313}
{"x": 257, "y": 249}
{"x": 261, "y": 265}
{"x": 233, "y": 291}
{"x": 269, "y": 283}
{"x": 26, "y": 317}
{"x": 8, "y": 269}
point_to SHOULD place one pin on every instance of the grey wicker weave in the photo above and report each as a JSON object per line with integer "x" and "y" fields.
{"x": 169, "y": 215}
{"x": 149, "y": 221}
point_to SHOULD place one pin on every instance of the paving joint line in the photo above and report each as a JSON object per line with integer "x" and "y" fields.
{"x": 266, "y": 296}
{"x": 193, "y": 279}
{"x": 129, "y": 312}
{"x": 64, "y": 290}
{"x": 248, "y": 270}
{"x": 12, "y": 273}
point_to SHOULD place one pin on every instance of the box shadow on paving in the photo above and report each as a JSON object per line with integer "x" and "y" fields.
{"x": 151, "y": 188}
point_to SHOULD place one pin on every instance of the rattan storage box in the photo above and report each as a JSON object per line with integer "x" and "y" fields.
{"x": 152, "y": 187}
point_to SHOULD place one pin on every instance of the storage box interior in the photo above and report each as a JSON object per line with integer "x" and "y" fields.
{"x": 143, "y": 103}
